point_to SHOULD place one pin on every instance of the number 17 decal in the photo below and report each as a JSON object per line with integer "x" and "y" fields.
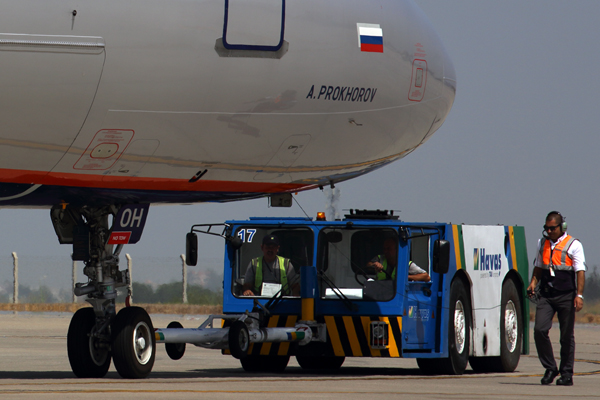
{"x": 246, "y": 235}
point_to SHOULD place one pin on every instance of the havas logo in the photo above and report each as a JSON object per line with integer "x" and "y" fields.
{"x": 486, "y": 262}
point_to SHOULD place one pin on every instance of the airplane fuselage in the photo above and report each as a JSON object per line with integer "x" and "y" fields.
{"x": 181, "y": 101}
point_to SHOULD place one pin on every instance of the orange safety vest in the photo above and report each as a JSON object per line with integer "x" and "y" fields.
{"x": 562, "y": 277}
{"x": 557, "y": 258}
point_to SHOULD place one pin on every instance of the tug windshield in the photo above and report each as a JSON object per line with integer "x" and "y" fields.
{"x": 359, "y": 263}
{"x": 270, "y": 259}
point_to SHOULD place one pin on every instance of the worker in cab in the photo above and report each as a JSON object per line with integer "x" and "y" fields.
{"x": 385, "y": 265}
{"x": 270, "y": 273}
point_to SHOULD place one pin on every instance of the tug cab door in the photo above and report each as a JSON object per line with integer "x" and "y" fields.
{"x": 419, "y": 314}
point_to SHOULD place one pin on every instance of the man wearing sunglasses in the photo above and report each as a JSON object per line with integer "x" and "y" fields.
{"x": 560, "y": 272}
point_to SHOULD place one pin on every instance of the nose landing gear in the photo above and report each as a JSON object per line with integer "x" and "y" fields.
{"x": 98, "y": 333}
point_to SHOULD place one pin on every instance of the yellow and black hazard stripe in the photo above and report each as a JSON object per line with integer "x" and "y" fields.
{"x": 274, "y": 349}
{"x": 351, "y": 336}
{"x": 347, "y": 336}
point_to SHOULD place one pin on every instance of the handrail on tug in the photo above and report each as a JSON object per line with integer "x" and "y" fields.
{"x": 191, "y": 240}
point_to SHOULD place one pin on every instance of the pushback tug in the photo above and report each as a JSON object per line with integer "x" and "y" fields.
{"x": 473, "y": 310}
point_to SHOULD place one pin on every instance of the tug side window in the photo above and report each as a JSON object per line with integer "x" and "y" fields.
{"x": 420, "y": 255}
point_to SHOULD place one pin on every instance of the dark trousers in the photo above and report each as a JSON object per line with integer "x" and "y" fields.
{"x": 563, "y": 306}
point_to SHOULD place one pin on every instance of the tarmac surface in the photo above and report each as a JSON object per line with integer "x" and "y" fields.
{"x": 34, "y": 363}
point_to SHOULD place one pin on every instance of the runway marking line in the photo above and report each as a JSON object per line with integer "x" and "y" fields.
{"x": 69, "y": 391}
{"x": 370, "y": 393}
{"x": 316, "y": 379}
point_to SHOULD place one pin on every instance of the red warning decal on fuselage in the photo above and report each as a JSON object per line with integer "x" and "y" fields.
{"x": 105, "y": 149}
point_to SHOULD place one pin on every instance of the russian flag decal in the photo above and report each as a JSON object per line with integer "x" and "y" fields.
{"x": 370, "y": 38}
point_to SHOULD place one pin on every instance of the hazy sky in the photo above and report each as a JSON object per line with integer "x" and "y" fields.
{"x": 520, "y": 141}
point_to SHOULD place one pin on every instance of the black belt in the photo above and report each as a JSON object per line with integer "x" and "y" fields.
{"x": 548, "y": 291}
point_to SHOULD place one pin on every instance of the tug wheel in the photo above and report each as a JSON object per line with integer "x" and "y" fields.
{"x": 459, "y": 330}
{"x": 275, "y": 364}
{"x": 511, "y": 328}
{"x": 175, "y": 350}
{"x": 459, "y": 339}
{"x": 239, "y": 339}
{"x": 511, "y": 335}
{"x": 311, "y": 362}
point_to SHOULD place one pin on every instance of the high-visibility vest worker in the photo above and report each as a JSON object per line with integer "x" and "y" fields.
{"x": 381, "y": 276}
{"x": 258, "y": 277}
{"x": 562, "y": 277}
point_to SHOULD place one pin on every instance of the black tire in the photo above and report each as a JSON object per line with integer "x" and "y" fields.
{"x": 319, "y": 363}
{"x": 511, "y": 334}
{"x": 459, "y": 331}
{"x": 89, "y": 358}
{"x": 133, "y": 343}
{"x": 483, "y": 364}
{"x": 252, "y": 363}
{"x": 275, "y": 363}
{"x": 429, "y": 366}
{"x": 511, "y": 327}
{"x": 175, "y": 350}
{"x": 239, "y": 339}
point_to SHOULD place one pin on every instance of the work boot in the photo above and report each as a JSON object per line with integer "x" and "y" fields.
{"x": 549, "y": 377}
{"x": 565, "y": 381}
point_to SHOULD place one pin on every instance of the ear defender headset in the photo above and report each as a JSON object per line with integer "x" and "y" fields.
{"x": 562, "y": 222}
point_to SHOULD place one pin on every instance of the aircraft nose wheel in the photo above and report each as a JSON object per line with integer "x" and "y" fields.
{"x": 89, "y": 355}
{"x": 133, "y": 343}
{"x": 142, "y": 348}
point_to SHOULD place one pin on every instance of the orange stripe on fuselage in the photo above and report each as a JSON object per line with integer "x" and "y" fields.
{"x": 137, "y": 183}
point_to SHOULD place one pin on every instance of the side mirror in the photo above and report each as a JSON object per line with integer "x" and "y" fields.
{"x": 441, "y": 256}
{"x": 191, "y": 249}
{"x": 235, "y": 242}
{"x": 333, "y": 237}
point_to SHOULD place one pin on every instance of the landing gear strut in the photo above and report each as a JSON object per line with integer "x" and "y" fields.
{"x": 96, "y": 334}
